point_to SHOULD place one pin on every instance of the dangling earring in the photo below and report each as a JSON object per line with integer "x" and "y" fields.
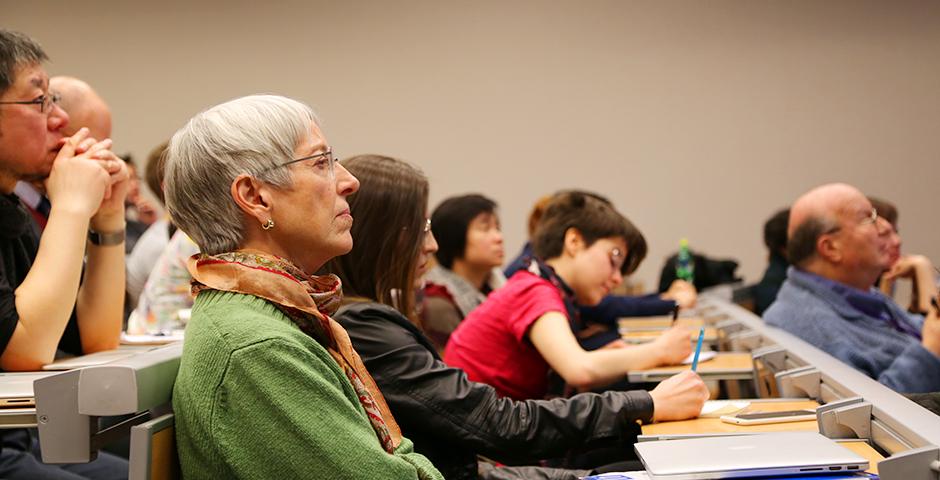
{"x": 268, "y": 225}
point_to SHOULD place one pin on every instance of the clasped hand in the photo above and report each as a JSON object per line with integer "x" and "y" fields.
{"x": 87, "y": 178}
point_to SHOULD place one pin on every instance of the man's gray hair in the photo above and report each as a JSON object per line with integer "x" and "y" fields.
{"x": 17, "y": 50}
{"x": 801, "y": 246}
{"x": 251, "y": 135}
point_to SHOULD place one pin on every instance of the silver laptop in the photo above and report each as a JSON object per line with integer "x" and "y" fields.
{"x": 16, "y": 389}
{"x": 783, "y": 453}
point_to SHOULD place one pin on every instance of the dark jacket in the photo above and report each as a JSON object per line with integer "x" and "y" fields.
{"x": 765, "y": 292}
{"x": 451, "y": 419}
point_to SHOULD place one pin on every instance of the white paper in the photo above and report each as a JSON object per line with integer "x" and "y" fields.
{"x": 175, "y": 336}
{"x": 703, "y": 356}
{"x": 717, "y": 408}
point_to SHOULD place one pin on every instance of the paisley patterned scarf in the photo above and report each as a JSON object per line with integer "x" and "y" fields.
{"x": 308, "y": 301}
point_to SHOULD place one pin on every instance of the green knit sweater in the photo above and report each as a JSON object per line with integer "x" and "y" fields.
{"x": 257, "y": 398}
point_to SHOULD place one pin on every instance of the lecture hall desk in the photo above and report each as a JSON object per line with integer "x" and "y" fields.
{"x": 704, "y": 426}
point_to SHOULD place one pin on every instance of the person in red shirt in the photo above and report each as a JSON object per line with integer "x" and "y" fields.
{"x": 582, "y": 248}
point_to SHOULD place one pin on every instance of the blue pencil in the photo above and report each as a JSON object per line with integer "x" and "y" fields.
{"x": 698, "y": 348}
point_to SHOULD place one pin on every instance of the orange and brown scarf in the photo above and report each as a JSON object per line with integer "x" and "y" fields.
{"x": 309, "y": 301}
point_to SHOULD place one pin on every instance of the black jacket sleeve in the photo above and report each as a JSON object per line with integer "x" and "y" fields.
{"x": 433, "y": 401}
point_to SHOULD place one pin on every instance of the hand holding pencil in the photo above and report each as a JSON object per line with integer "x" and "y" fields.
{"x": 679, "y": 397}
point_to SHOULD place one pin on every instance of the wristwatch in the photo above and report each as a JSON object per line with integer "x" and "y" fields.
{"x": 106, "y": 239}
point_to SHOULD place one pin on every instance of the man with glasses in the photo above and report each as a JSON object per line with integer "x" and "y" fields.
{"x": 85, "y": 109}
{"x": 45, "y": 303}
{"x": 838, "y": 246}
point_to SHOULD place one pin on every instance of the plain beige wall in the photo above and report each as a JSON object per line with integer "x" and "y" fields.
{"x": 698, "y": 119}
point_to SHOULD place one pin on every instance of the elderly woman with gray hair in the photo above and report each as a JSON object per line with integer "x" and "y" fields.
{"x": 269, "y": 385}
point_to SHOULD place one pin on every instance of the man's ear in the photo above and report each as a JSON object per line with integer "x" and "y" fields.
{"x": 252, "y": 197}
{"x": 574, "y": 242}
{"x": 829, "y": 248}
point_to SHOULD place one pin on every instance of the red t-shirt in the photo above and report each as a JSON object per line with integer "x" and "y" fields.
{"x": 492, "y": 344}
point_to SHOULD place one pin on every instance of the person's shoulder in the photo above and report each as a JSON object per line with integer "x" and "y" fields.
{"x": 230, "y": 321}
{"x": 525, "y": 280}
{"x": 366, "y": 311}
{"x": 797, "y": 309}
{"x": 378, "y": 324}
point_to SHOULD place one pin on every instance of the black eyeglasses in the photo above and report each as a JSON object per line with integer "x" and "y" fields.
{"x": 44, "y": 101}
{"x": 324, "y": 161}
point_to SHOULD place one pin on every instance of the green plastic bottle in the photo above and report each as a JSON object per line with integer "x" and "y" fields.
{"x": 685, "y": 267}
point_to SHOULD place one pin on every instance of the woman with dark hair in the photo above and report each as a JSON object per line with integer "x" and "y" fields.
{"x": 600, "y": 320}
{"x": 450, "y": 418}
{"x": 269, "y": 385}
{"x": 582, "y": 248}
{"x": 470, "y": 250}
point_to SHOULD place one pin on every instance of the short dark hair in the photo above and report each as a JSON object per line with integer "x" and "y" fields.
{"x": 886, "y": 210}
{"x": 775, "y": 231}
{"x": 450, "y": 222}
{"x": 539, "y": 208}
{"x": 801, "y": 246}
{"x": 594, "y": 219}
{"x": 17, "y": 50}
{"x": 387, "y": 233}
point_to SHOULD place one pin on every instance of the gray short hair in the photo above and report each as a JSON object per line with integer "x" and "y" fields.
{"x": 17, "y": 50}
{"x": 246, "y": 135}
{"x": 801, "y": 246}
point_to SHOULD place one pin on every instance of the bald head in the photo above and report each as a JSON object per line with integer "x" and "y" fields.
{"x": 833, "y": 233}
{"x": 823, "y": 203}
{"x": 84, "y": 106}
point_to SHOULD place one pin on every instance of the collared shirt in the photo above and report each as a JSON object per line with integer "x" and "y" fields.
{"x": 37, "y": 203}
{"x": 871, "y": 303}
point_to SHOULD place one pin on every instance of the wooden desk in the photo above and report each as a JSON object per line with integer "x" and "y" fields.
{"x": 698, "y": 426}
{"x": 712, "y": 426}
{"x": 725, "y": 366}
{"x": 637, "y": 324}
{"x": 638, "y": 337}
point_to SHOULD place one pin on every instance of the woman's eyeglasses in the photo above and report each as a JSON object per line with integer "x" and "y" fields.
{"x": 323, "y": 162}
{"x": 424, "y": 230}
{"x": 616, "y": 259}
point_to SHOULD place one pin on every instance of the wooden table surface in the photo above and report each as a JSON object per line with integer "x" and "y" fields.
{"x": 715, "y": 425}
{"x": 657, "y": 323}
{"x": 725, "y": 366}
{"x": 644, "y": 336}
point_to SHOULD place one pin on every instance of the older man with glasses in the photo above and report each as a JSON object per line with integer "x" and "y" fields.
{"x": 838, "y": 246}
{"x": 45, "y": 303}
